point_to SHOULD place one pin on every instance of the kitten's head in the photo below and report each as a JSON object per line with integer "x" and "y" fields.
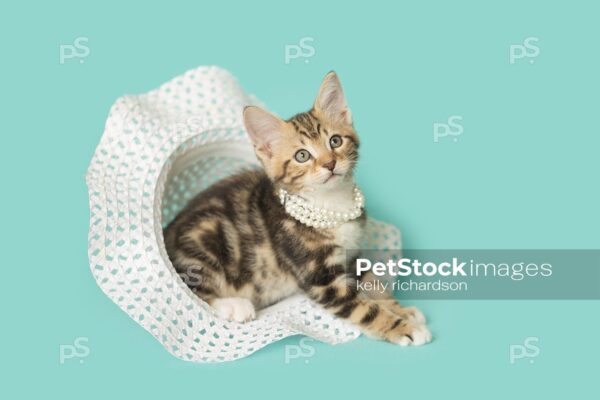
{"x": 311, "y": 150}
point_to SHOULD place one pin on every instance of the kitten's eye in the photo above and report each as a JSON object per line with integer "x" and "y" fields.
{"x": 302, "y": 156}
{"x": 335, "y": 141}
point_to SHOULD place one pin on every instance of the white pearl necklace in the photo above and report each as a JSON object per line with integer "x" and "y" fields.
{"x": 301, "y": 210}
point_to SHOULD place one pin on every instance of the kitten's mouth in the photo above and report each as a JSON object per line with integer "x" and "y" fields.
{"x": 332, "y": 176}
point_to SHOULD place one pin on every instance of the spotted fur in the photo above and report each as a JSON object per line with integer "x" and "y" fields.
{"x": 237, "y": 248}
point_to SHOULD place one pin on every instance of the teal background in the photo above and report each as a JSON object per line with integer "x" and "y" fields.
{"x": 524, "y": 174}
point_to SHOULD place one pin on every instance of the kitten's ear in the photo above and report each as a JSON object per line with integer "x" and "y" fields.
{"x": 331, "y": 101}
{"x": 263, "y": 128}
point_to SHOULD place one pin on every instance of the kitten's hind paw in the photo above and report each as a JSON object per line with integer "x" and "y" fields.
{"x": 235, "y": 309}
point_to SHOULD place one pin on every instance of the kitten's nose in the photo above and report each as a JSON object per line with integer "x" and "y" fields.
{"x": 330, "y": 165}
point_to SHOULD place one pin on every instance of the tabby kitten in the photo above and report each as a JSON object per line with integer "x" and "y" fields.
{"x": 242, "y": 251}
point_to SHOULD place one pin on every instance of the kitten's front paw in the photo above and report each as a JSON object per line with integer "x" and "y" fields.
{"x": 410, "y": 333}
{"x": 235, "y": 309}
{"x": 412, "y": 314}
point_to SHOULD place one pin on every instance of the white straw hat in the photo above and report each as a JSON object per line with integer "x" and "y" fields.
{"x": 159, "y": 150}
